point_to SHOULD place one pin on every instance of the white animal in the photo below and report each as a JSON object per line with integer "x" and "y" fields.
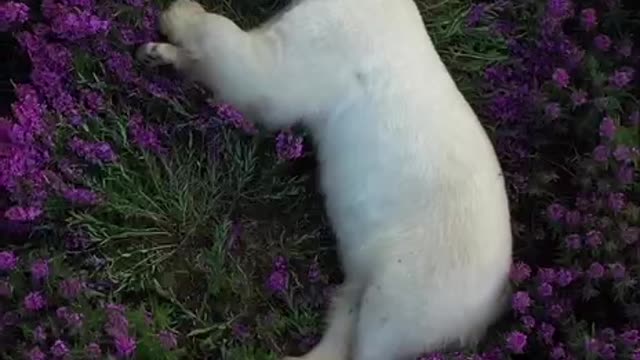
{"x": 413, "y": 188}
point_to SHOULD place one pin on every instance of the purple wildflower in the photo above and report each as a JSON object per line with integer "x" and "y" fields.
{"x": 552, "y": 110}
{"x": 608, "y": 128}
{"x": 631, "y": 235}
{"x": 36, "y": 354}
{"x": 278, "y": 281}
{"x": 516, "y": 342}
{"x": 35, "y": 301}
{"x": 528, "y": 321}
{"x": 617, "y": 271}
{"x": 608, "y": 352}
{"x": 521, "y": 302}
{"x": 616, "y": 202}
{"x": 519, "y": 272}
{"x": 81, "y": 197}
{"x": 144, "y": 136}
{"x": 546, "y": 332}
{"x": 595, "y": 271}
{"x": 602, "y": 42}
{"x": 594, "y": 239}
{"x": 621, "y": 77}
{"x": 545, "y": 290}
{"x": 579, "y": 97}
{"x": 289, "y": 146}
{"x": 573, "y": 218}
{"x": 561, "y": 77}
{"x": 60, "y": 349}
{"x": 8, "y": 261}
{"x": 40, "y": 270}
{"x": 12, "y": 14}
{"x": 93, "y": 351}
{"x": 622, "y": 153}
{"x": 558, "y": 353}
{"x": 573, "y": 242}
{"x": 70, "y": 288}
{"x": 230, "y": 115}
{"x": 95, "y": 153}
{"x": 589, "y": 19}
{"x": 630, "y": 337}
{"x": 20, "y": 213}
{"x": 167, "y": 339}
{"x": 476, "y": 14}
{"x": 39, "y": 334}
{"x": 556, "y": 212}
{"x": 240, "y": 331}
{"x": 76, "y": 25}
{"x": 125, "y": 346}
{"x": 6, "y": 289}
{"x": 314, "y": 273}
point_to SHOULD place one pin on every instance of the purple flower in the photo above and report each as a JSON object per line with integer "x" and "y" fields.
{"x": 608, "y": 352}
{"x": 556, "y": 212}
{"x": 40, "y": 270}
{"x": 144, "y": 136}
{"x": 93, "y": 351}
{"x": 36, "y": 354}
{"x": 608, "y": 128}
{"x": 519, "y": 272}
{"x": 552, "y": 110}
{"x": 622, "y": 153}
{"x": 6, "y": 290}
{"x": 560, "y": 9}
{"x": 546, "y": 332}
{"x": 631, "y": 235}
{"x": 167, "y": 339}
{"x": 617, "y": 271}
{"x": 595, "y": 271}
{"x": 278, "y": 281}
{"x": 125, "y": 346}
{"x": 20, "y": 213}
{"x": 579, "y": 97}
{"x": 39, "y": 334}
{"x": 12, "y": 14}
{"x": 314, "y": 272}
{"x": 564, "y": 277}
{"x": 288, "y": 146}
{"x": 230, "y": 115}
{"x": 547, "y": 275}
{"x": 561, "y": 77}
{"x": 521, "y": 302}
{"x": 8, "y": 261}
{"x": 81, "y": 197}
{"x": 594, "y": 239}
{"x": 630, "y": 337}
{"x": 557, "y": 353}
{"x": 71, "y": 288}
{"x": 476, "y": 14}
{"x": 240, "y": 331}
{"x": 573, "y": 242}
{"x": 589, "y": 19}
{"x": 573, "y": 218}
{"x": 76, "y": 25}
{"x": 626, "y": 174}
{"x": 71, "y": 319}
{"x": 35, "y": 301}
{"x": 59, "y": 349}
{"x": 95, "y": 153}
{"x": 528, "y": 321}
{"x": 545, "y": 290}
{"x": 616, "y": 202}
{"x": 602, "y": 42}
{"x": 621, "y": 77}
{"x": 516, "y": 342}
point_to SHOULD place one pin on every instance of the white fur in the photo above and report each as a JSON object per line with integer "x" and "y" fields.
{"x": 413, "y": 187}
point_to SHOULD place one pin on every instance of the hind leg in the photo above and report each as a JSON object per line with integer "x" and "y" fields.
{"x": 337, "y": 339}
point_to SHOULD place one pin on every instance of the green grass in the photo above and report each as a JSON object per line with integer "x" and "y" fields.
{"x": 165, "y": 229}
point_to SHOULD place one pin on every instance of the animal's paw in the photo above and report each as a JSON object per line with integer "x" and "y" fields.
{"x": 175, "y": 19}
{"x": 155, "y": 54}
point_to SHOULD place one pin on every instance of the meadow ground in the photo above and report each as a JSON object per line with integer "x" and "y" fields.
{"x": 142, "y": 222}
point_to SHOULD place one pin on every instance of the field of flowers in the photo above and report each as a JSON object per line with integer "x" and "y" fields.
{"x": 139, "y": 221}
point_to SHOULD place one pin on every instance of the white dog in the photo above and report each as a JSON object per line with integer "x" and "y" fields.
{"x": 413, "y": 187}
